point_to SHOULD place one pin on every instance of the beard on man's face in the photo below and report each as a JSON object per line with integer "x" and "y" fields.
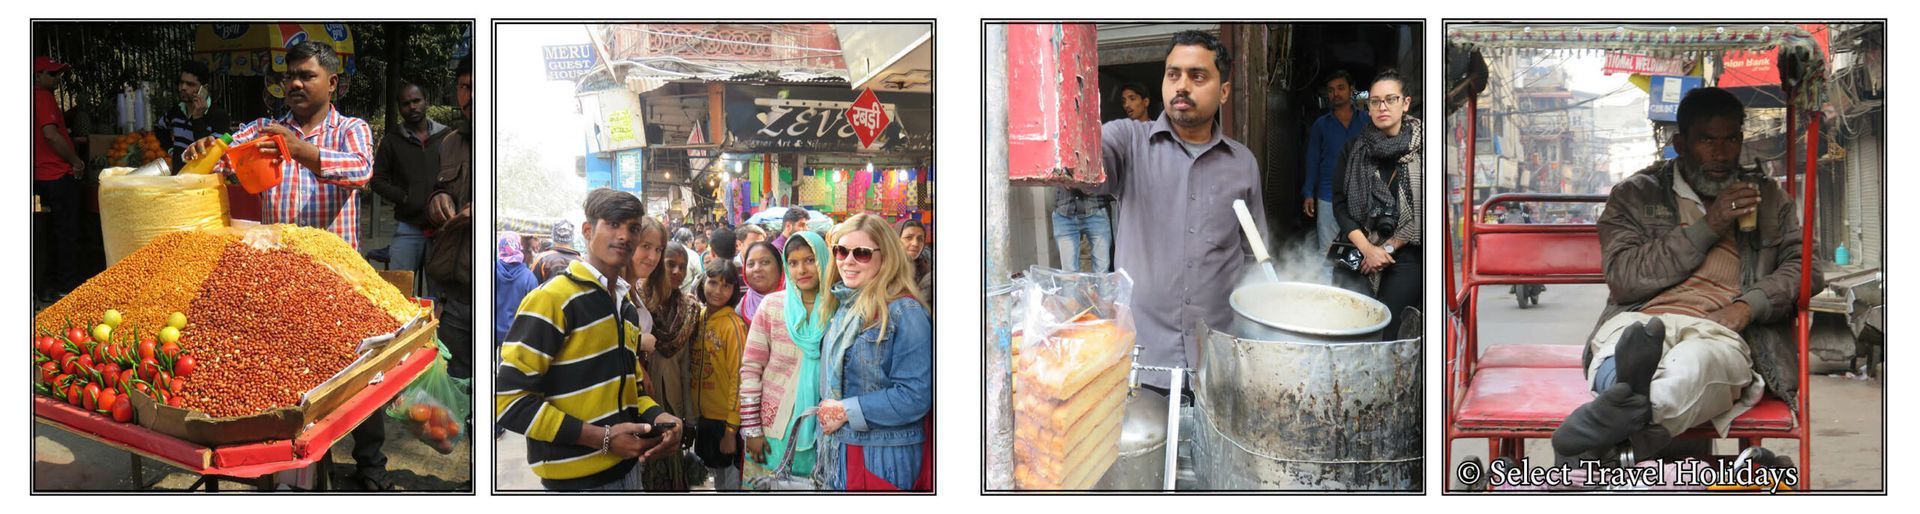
{"x": 1705, "y": 186}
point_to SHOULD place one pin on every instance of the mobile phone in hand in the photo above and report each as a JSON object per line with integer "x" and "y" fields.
{"x": 658, "y": 430}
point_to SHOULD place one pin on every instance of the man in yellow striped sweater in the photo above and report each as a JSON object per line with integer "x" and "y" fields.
{"x": 569, "y": 369}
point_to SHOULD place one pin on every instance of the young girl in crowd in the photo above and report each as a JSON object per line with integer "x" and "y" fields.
{"x": 876, "y": 379}
{"x": 762, "y": 276}
{"x": 716, "y": 365}
{"x": 779, "y": 372}
{"x": 676, "y": 318}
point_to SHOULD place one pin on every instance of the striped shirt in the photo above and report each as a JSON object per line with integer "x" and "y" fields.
{"x": 325, "y": 198}
{"x": 560, "y": 368}
{"x": 182, "y": 130}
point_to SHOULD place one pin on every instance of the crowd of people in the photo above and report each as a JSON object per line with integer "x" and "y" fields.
{"x": 653, "y": 354}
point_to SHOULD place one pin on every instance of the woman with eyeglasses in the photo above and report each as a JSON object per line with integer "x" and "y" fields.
{"x": 876, "y": 381}
{"x": 1376, "y": 201}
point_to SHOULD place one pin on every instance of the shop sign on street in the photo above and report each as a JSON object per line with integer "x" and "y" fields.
{"x": 1622, "y": 62}
{"x": 867, "y": 118}
{"x": 1664, "y": 99}
{"x": 831, "y": 119}
{"x": 568, "y": 62}
{"x": 627, "y": 171}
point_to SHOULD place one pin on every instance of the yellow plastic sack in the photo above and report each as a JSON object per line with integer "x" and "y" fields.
{"x": 134, "y": 210}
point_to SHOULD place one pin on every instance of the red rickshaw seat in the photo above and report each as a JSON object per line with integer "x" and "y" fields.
{"x": 1530, "y": 356}
{"x": 1539, "y": 398}
{"x": 1537, "y": 253}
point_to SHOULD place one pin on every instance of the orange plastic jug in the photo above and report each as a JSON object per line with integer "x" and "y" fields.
{"x": 257, "y": 172}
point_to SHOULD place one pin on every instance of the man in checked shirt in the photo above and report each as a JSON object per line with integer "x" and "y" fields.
{"x": 329, "y": 157}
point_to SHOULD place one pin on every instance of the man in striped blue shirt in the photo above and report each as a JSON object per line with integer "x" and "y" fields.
{"x": 194, "y": 117}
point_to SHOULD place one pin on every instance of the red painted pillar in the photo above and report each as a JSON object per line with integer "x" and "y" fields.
{"x": 1053, "y": 104}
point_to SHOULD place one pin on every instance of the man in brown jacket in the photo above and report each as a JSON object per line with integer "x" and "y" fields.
{"x": 1699, "y": 313}
{"x": 450, "y": 210}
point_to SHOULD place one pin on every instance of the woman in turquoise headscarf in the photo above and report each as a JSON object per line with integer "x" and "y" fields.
{"x": 781, "y": 363}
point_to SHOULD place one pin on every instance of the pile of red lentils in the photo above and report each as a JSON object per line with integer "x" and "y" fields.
{"x": 268, "y": 326}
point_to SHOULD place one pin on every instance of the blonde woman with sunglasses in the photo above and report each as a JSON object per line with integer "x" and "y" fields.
{"x": 876, "y": 384}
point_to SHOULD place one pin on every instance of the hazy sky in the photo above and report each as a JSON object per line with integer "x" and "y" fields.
{"x": 536, "y": 111}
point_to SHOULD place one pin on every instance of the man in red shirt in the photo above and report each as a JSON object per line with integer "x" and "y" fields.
{"x": 56, "y": 183}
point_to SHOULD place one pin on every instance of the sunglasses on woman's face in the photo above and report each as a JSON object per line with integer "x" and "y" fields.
{"x": 861, "y": 254}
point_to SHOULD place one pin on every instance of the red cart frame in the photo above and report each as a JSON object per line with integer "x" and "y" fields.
{"x": 1518, "y": 392}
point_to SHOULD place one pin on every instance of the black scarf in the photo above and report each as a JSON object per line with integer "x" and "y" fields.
{"x": 1374, "y": 158}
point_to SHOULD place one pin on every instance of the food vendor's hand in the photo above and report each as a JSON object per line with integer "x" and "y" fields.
{"x": 648, "y": 342}
{"x": 269, "y": 149}
{"x": 627, "y": 443}
{"x": 440, "y": 209}
{"x": 669, "y": 441}
{"x": 1307, "y": 206}
{"x": 76, "y": 166}
{"x": 757, "y": 448}
{"x": 1376, "y": 259}
{"x": 199, "y": 147}
{"x": 832, "y": 414}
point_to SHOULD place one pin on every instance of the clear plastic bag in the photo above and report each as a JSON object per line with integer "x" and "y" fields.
{"x": 435, "y": 406}
{"x": 136, "y": 209}
{"x": 1071, "y": 359}
{"x": 1003, "y": 319}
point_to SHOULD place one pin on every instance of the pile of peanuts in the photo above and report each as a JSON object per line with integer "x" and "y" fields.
{"x": 329, "y": 249}
{"x": 268, "y": 326}
{"x": 159, "y": 279}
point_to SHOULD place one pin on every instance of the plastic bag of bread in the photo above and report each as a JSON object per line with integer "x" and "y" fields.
{"x": 1070, "y": 364}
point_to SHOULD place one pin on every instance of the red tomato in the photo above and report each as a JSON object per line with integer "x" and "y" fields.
{"x": 126, "y": 378}
{"x": 110, "y": 373}
{"x": 107, "y": 400}
{"x": 173, "y": 401}
{"x": 148, "y": 367}
{"x": 184, "y": 366}
{"x": 91, "y": 396}
{"x": 176, "y": 385}
{"x": 142, "y": 386}
{"x": 74, "y": 395}
{"x": 123, "y": 411}
{"x": 146, "y": 348}
{"x": 77, "y": 335}
{"x": 48, "y": 372}
{"x": 70, "y": 364}
{"x": 86, "y": 361}
{"x": 171, "y": 350}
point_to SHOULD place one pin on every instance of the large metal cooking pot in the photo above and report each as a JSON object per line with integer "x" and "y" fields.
{"x": 1292, "y": 415}
{"x": 1303, "y": 312}
{"x": 1143, "y": 446}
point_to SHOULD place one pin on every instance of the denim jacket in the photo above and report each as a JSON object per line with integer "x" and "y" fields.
{"x": 888, "y": 387}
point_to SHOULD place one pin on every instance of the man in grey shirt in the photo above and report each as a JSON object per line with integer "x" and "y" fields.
{"x": 1175, "y": 180}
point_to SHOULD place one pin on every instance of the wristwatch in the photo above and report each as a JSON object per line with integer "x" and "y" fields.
{"x": 1388, "y": 248}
